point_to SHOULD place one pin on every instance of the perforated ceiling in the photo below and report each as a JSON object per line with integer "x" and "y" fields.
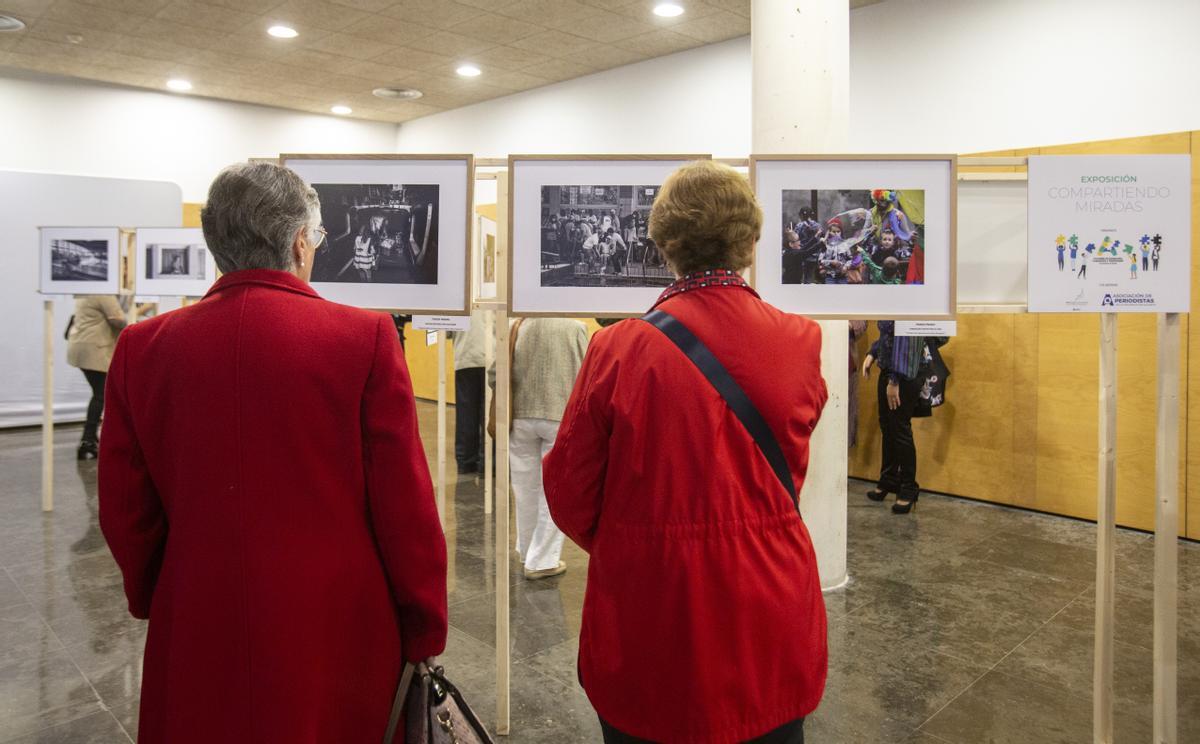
{"x": 347, "y": 48}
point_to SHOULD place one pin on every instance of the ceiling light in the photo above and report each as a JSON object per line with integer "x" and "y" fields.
{"x": 468, "y": 71}
{"x": 397, "y": 94}
{"x": 668, "y": 10}
{"x": 179, "y": 84}
{"x": 11, "y": 23}
{"x": 74, "y": 38}
{"x": 341, "y": 110}
{"x": 283, "y": 32}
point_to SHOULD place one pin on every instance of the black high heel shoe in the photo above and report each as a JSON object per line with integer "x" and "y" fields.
{"x": 89, "y": 449}
{"x": 904, "y": 506}
{"x": 876, "y": 494}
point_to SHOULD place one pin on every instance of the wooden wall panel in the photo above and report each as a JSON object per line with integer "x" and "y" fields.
{"x": 1020, "y": 425}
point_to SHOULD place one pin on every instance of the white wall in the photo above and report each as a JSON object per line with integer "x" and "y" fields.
{"x": 926, "y": 76}
{"x": 66, "y": 126}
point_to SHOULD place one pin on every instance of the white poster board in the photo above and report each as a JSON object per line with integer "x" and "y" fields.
{"x": 398, "y": 229}
{"x": 173, "y": 262}
{"x": 80, "y": 260}
{"x": 847, "y": 236}
{"x": 1110, "y": 233}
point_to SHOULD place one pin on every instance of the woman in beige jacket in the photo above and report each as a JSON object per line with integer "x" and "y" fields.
{"x": 90, "y": 343}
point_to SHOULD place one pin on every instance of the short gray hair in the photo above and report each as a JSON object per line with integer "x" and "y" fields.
{"x": 253, "y": 213}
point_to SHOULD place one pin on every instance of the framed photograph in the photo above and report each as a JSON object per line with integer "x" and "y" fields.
{"x": 80, "y": 260}
{"x": 865, "y": 237}
{"x": 398, "y": 229}
{"x": 579, "y": 233}
{"x": 173, "y": 262}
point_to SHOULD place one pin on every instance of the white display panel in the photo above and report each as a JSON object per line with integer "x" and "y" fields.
{"x": 594, "y": 279}
{"x": 397, "y": 229}
{"x": 844, "y": 187}
{"x": 173, "y": 262}
{"x": 1110, "y": 233}
{"x": 79, "y": 260}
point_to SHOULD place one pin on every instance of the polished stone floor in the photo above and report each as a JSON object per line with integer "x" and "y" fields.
{"x": 964, "y": 623}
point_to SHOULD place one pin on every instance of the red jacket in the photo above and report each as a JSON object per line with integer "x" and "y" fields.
{"x": 703, "y": 619}
{"x": 264, "y": 490}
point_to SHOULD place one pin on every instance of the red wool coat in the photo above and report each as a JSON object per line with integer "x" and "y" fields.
{"x": 703, "y": 619}
{"x": 265, "y": 493}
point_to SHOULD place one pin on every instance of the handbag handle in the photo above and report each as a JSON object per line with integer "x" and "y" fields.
{"x": 731, "y": 391}
{"x": 398, "y": 702}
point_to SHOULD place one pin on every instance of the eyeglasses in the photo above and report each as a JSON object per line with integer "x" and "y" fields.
{"x": 324, "y": 236}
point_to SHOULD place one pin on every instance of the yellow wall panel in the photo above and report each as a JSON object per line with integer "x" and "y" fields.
{"x": 191, "y": 214}
{"x": 1191, "y": 516}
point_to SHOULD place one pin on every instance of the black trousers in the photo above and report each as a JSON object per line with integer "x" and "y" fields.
{"x": 95, "y": 409}
{"x": 468, "y": 419}
{"x": 788, "y": 733}
{"x": 898, "y": 471}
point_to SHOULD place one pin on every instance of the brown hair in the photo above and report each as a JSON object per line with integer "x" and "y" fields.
{"x": 706, "y": 217}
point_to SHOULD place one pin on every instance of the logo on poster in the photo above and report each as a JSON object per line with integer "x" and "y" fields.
{"x": 1127, "y": 299}
{"x": 1107, "y": 301}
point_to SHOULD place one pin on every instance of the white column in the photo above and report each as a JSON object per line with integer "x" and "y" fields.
{"x": 801, "y": 99}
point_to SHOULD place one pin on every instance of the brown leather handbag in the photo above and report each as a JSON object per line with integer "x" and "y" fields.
{"x": 433, "y": 710}
{"x": 512, "y": 347}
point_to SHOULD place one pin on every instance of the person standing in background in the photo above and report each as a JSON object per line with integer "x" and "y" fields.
{"x": 90, "y": 342}
{"x": 468, "y": 395}
{"x": 901, "y": 360}
{"x": 857, "y": 329}
{"x": 547, "y": 355}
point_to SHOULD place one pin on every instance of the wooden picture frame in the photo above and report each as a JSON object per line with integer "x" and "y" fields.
{"x": 627, "y": 301}
{"x": 72, "y": 261}
{"x": 930, "y": 173}
{"x": 451, "y": 295}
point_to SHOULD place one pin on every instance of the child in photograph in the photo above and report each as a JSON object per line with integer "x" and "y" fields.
{"x": 881, "y": 273}
{"x": 835, "y": 255}
{"x": 887, "y": 246}
{"x": 365, "y": 254}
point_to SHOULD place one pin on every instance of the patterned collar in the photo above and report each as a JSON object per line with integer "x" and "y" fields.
{"x": 701, "y": 280}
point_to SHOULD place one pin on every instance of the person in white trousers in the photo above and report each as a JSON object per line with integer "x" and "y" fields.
{"x": 546, "y": 358}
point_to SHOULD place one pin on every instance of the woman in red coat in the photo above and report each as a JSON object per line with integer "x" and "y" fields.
{"x": 265, "y": 493}
{"x": 703, "y": 619}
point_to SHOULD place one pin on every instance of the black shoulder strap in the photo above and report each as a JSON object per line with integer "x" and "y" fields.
{"x": 732, "y": 392}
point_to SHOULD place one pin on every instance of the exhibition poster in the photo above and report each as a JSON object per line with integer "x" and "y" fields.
{"x": 1110, "y": 233}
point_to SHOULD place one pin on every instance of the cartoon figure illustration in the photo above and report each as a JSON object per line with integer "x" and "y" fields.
{"x": 1157, "y": 242}
{"x": 1083, "y": 259}
{"x": 1132, "y": 266}
{"x": 1105, "y": 245}
{"x": 1074, "y": 243}
{"x": 1145, "y": 246}
{"x": 1061, "y": 248}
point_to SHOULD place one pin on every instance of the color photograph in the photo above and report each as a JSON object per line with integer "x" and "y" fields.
{"x": 853, "y": 236}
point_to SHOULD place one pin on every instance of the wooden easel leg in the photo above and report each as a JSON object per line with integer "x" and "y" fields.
{"x": 441, "y": 427}
{"x": 1102, "y": 683}
{"x": 1166, "y": 533}
{"x": 503, "y": 415}
{"x": 48, "y": 406}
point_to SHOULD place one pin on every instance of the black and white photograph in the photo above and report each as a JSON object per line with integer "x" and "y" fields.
{"x": 378, "y": 233}
{"x": 79, "y": 260}
{"x": 580, "y": 233}
{"x": 173, "y": 262}
{"x": 596, "y": 236}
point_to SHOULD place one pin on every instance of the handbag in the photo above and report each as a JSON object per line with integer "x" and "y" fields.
{"x": 933, "y": 390}
{"x": 731, "y": 391}
{"x": 433, "y": 710}
{"x": 512, "y": 348}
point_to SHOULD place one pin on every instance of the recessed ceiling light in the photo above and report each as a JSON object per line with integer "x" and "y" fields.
{"x": 397, "y": 94}
{"x": 283, "y": 32}
{"x": 668, "y": 10}
{"x": 74, "y": 38}
{"x": 179, "y": 84}
{"x": 468, "y": 71}
{"x": 11, "y": 23}
{"x": 342, "y": 110}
